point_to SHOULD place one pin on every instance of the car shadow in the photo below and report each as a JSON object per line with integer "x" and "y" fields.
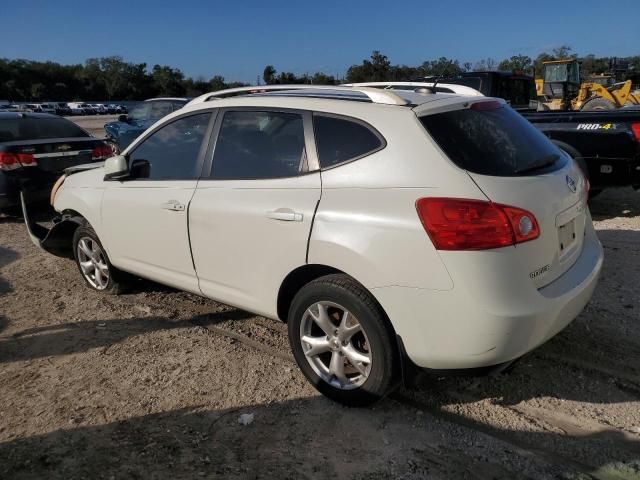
{"x": 615, "y": 202}
{"x": 308, "y": 438}
{"x": 81, "y": 336}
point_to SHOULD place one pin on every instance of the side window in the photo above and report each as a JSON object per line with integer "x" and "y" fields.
{"x": 160, "y": 109}
{"x": 254, "y": 145}
{"x": 171, "y": 153}
{"x": 339, "y": 140}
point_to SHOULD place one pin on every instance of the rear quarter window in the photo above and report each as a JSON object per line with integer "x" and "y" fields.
{"x": 340, "y": 140}
{"x": 29, "y": 128}
{"x": 495, "y": 141}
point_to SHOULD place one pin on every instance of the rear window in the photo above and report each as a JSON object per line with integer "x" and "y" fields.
{"x": 17, "y": 129}
{"x": 495, "y": 141}
{"x": 339, "y": 140}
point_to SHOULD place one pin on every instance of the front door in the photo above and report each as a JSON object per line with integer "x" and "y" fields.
{"x": 145, "y": 218}
{"x": 250, "y": 219}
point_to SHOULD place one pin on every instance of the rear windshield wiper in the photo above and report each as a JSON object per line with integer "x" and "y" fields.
{"x": 545, "y": 161}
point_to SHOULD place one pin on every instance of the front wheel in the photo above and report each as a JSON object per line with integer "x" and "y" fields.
{"x": 94, "y": 264}
{"x": 342, "y": 341}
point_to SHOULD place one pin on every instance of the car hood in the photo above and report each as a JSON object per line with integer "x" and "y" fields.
{"x": 87, "y": 175}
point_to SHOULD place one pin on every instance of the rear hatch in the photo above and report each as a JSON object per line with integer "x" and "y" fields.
{"x": 516, "y": 165}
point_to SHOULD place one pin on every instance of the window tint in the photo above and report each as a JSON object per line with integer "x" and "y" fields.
{"x": 259, "y": 145}
{"x": 339, "y": 140}
{"x": 171, "y": 152}
{"x": 30, "y": 128}
{"x": 160, "y": 109}
{"x": 496, "y": 141}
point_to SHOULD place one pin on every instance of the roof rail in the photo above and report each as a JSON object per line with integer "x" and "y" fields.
{"x": 376, "y": 95}
{"x": 443, "y": 86}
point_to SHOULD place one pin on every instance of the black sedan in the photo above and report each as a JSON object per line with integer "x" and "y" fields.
{"x": 35, "y": 148}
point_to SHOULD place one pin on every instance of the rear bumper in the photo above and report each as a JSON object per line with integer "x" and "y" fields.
{"x": 455, "y": 330}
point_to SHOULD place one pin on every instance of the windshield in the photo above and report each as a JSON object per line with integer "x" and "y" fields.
{"x": 555, "y": 73}
{"x": 496, "y": 141}
{"x": 16, "y": 129}
{"x": 139, "y": 112}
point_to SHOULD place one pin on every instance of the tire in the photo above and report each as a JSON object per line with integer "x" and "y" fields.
{"x": 339, "y": 370}
{"x": 597, "y": 103}
{"x": 575, "y": 154}
{"x": 87, "y": 248}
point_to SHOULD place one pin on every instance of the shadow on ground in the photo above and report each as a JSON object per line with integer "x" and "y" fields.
{"x": 299, "y": 439}
{"x": 615, "y": 202}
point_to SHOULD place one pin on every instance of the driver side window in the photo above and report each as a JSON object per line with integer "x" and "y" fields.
{"x": 172, "y": 152}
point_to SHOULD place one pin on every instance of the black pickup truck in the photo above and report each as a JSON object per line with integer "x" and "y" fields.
{"x": 605, "y": 143}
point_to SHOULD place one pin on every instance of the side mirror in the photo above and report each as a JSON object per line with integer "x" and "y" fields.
{"x": 122, "y": 118}
{"x": 140, "y": 169}
{"x": 115, "y": 168}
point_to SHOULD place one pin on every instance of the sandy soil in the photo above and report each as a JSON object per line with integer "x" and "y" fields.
{"x": 151, "y": 384}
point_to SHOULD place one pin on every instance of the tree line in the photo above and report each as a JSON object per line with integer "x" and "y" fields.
{"x": 112, "y": 78}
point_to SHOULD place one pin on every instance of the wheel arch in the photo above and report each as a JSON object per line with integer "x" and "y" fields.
{"x": 295, "y": 280}
{"x": 301, "y": 276}
{"x": 59, "y": 240}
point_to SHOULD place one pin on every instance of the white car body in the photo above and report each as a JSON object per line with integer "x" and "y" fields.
{"x": 48, "y": 108}
{"x": 77, "y": 108}
{"x": 451, "y": 309}
{"x": 99, "y": 108}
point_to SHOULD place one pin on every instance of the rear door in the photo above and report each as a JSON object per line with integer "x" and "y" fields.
{"x": 251, "y": 217}
{"x": 514, "y": 164}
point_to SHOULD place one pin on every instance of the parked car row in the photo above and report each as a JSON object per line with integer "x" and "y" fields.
{"x": 65, "y": 109}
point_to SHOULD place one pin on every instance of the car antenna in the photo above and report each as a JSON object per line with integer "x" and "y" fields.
{"x": 438, "y": 77}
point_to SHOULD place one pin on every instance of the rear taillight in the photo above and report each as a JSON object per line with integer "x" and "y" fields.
{"x": 459, "y": 224}
{"x": 11, "y": 161}
{"x": 101, "y": 152}
{"x": 635, "y": 128}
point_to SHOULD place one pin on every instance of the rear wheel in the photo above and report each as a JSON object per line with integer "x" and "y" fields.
{"x": 342, "y": 341}
{"x": 94, "y": 264}
{"x": 598, "y": 103}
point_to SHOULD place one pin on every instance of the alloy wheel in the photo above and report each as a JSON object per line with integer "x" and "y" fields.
{"x": 335, "y": 345}
{"x": 93, "y": 263}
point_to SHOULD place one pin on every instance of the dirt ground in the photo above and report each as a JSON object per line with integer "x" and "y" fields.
{"x": 94, "y": 124}
{"x": 151, "y": 384}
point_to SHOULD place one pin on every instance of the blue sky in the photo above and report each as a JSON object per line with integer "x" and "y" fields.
{"x": 237, "y": 39}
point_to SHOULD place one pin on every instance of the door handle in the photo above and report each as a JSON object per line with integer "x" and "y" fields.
{"x": 174, "y": 206}
{"x": 285, "y": 215}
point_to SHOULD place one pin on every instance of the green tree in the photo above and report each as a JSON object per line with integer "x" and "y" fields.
{"x": 217, "y": 83}
{"x": 268, "y": 75}
{"x": 521, "y": 63}
{"x": 167, "y": 81}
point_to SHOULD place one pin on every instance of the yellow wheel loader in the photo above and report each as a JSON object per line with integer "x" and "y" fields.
{"x": 561, "y": 89}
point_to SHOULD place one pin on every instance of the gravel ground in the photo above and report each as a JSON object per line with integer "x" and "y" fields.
{"x": 151, "y": 384}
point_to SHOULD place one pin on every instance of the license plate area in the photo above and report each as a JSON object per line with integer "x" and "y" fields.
{"x": 566, "y": 237}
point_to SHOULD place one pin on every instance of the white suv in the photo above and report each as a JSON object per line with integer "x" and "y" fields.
{"x": 438, "y": 230}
